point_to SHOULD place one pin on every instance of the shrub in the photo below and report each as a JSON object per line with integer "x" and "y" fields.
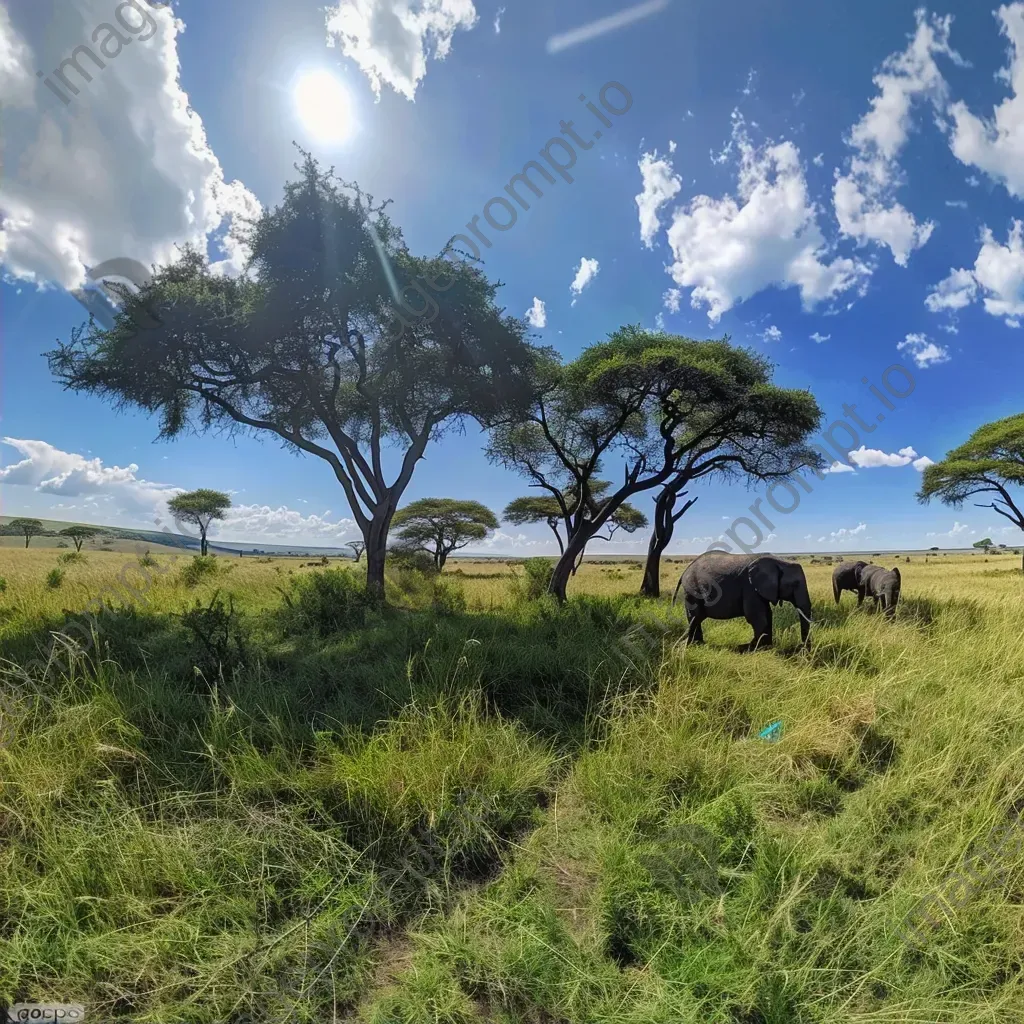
{"x": 71, "y": 558}
{"x": 330, "y": 601}
{"x": 202, "y": 567}
{"x": 538, "y": 576}
{"x": 54, "y": 578}
{"x": 147, "y": 560}
{"x": 62, "y": 544}
{"x": 411, "y": 558}
{"x": 3, "y": 585}
{"x": 218, "y": 637}
{"x": 448, "y": 597}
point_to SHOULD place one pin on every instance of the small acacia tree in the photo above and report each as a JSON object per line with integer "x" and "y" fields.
{"x": 990, "y": 461}
{"x": 440, "y": 526}
{"x": 664, "y": 404}
{"x": 199, "y": 509}
{"x": 80, "y": 534}
{"x": 540, "y": 509}
{"x": 308, "y": 347}
{"x": 983, "y": 544}
{"x": 358, "y": 547}
{"x": 29, "y": 527}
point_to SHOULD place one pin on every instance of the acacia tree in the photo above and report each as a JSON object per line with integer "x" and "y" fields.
{"x": 29, "y": 527}
{"x": 540, "y": 509}
{"x": 990, "y": 461}
{"x": 358, "y": 547}
{"x": 80, "y": 534}
{"x": 440, "y": 526}
{"x": 199, "y": 508}
{"x": 307, "y": 346}
{"x": 664, "y": 404}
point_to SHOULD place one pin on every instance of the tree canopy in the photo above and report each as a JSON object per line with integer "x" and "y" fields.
{"x": 199, "y": 508}
{"x": 989, "y": 462}
{"x": 668, "y": 407}
{"x": 308, "y": 346}
{"x": 29, "y": 527}
{"x": 443, "y": 525}
{"x": 80, "y": 534}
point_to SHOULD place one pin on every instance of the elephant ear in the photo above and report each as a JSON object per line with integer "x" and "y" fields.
{"x": 765, "y": 576}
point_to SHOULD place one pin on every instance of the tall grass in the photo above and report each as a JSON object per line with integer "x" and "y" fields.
{"x": 504, "y": 811}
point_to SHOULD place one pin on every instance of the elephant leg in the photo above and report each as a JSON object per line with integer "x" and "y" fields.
{"x": 695, "y": 632}
{"x": 758, "y": 613}
{"x": 860, "y": 596}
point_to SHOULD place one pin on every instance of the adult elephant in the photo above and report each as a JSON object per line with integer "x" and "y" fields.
{"x": 846, "y": 576}
{"x": 716, "y": 585}
{"x": 883, "y": 585}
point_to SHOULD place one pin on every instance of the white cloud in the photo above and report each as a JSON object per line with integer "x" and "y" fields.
{"x": 995, "y": 145}
{"x": 840, "y": 467}
{"x": 497, "y": 21}
{"x": 390, "y": 39}
{"x": 818, "y": 161}
{"x": 925, "y": 353}
{"x": 771, "y": 333}
{"x": 671, "y": 298}
{"x": 957, "y": 204}
{"x": 873, "y": 458}
{"x": 536, "y": 315}
{"x": 660, "y": 185}
{"x": 659, "y": 321}
{"x": 819, "y": 338}
{"x": 585, "y": 273}
{"x": 123, "y": 169}
{"x": 845, "y": 535}
{"x": 953, "y": 293}
{"x": 958, "y": 529}
{"x": 864, "y": 197}
{"x": 922, "y": 463}
{"x": 133, "y": 500}
{"x": 727, "y": 250}
{"x": 602, "y": 26}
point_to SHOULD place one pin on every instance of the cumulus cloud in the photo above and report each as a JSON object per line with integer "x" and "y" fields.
{"x": 819, "y": 338}
{"x": 845, "y": 535}
{"x": 117, "y": 494}
{"x": 771, "y": 333}
{"x": 536, "y": 315}
{"x": 840, "y": 467}
{"x": 997, "y": 278}
{"x": 660, "y": 185}
{"x": 995, "y": 145}
{"x": 957, "y": 530}
{"x": 390, "y": 40}
{"x": 864, "y": 197}
{"x": 873, "y": 458}
{"x": 727, "y": 250}
{"x": 123, "y": 168}
{"x": 922, "y": 463}
{"x": 585, "y": 273}
{"x": 925, "y": 353}
{"x": 672, "y": 299}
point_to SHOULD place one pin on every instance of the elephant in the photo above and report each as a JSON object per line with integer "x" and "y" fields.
{"x": 717, "y": 585}
{"x": 846, "y": 576}
{"x": 883, "y": 585}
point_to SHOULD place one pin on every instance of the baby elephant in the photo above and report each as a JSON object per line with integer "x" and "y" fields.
{"x": 881, "y": 584}
{"x": 846, "y": 576}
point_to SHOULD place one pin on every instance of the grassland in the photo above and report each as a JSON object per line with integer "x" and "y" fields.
{"x": 497, "y": 810}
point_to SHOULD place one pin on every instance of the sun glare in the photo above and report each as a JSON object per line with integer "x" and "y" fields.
{"x": 324, "y": 106}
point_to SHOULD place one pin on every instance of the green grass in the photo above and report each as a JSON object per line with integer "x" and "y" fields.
{"x": 478, "y": 807}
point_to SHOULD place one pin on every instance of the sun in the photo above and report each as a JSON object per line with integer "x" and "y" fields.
{"x": 324, "y": 106}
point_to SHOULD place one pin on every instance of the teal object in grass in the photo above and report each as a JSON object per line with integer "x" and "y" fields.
{"x": 772, "y": 732}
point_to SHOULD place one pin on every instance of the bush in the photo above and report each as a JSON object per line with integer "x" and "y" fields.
{"x": 219, "y": 642}
{"x": 327, "y": 602}
{"x": 448, "y": 597}
{"x": 411, "y": 558}
{"x": 202, "y": 567}
{"x": 54, "y": 578}
{"x": 62, "y": 544}
{"x": 71, "y": 558}
{"x": 147, "y": 560}
{"x": 3, "y": 585}
{"x": 538, "y": 576}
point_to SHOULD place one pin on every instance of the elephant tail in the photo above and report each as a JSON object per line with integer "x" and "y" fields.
{"x": 676, "y": 593}
{"x": 835, "y": 589}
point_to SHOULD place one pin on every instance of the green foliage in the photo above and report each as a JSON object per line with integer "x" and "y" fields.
{"x": 537, "y": 573}
{"x": 328, "y": 602}
{"x": 29, "y": 528}
{"x": 218, "y": 637}
{"x": 986, "y": 543}
{"x": 147, "y": 561}
{"x": 402, "y": 556}
{"x": 442, "y": 525}
{"x": 447, "y": 597}
{"x": 54, "y": 578}
{"x": 71, "y": 558}
{"x": 80, "y": 534}
{"x": 989, "y": 462}
{"x": 198, "y": 570}
{"x": 3, "y": 584}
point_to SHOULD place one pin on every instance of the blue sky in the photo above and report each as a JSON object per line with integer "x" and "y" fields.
{"x": 786, "y": 173}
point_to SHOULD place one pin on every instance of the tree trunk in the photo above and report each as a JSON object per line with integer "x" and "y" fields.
{"x": 78, "y": 542}
{"x": 27, "y": 539}
{"x": 665, "y": 520}
{"x": 375, "y": 569}
{"x": 565, "y": 566}
{"x": 442, "y": 557}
